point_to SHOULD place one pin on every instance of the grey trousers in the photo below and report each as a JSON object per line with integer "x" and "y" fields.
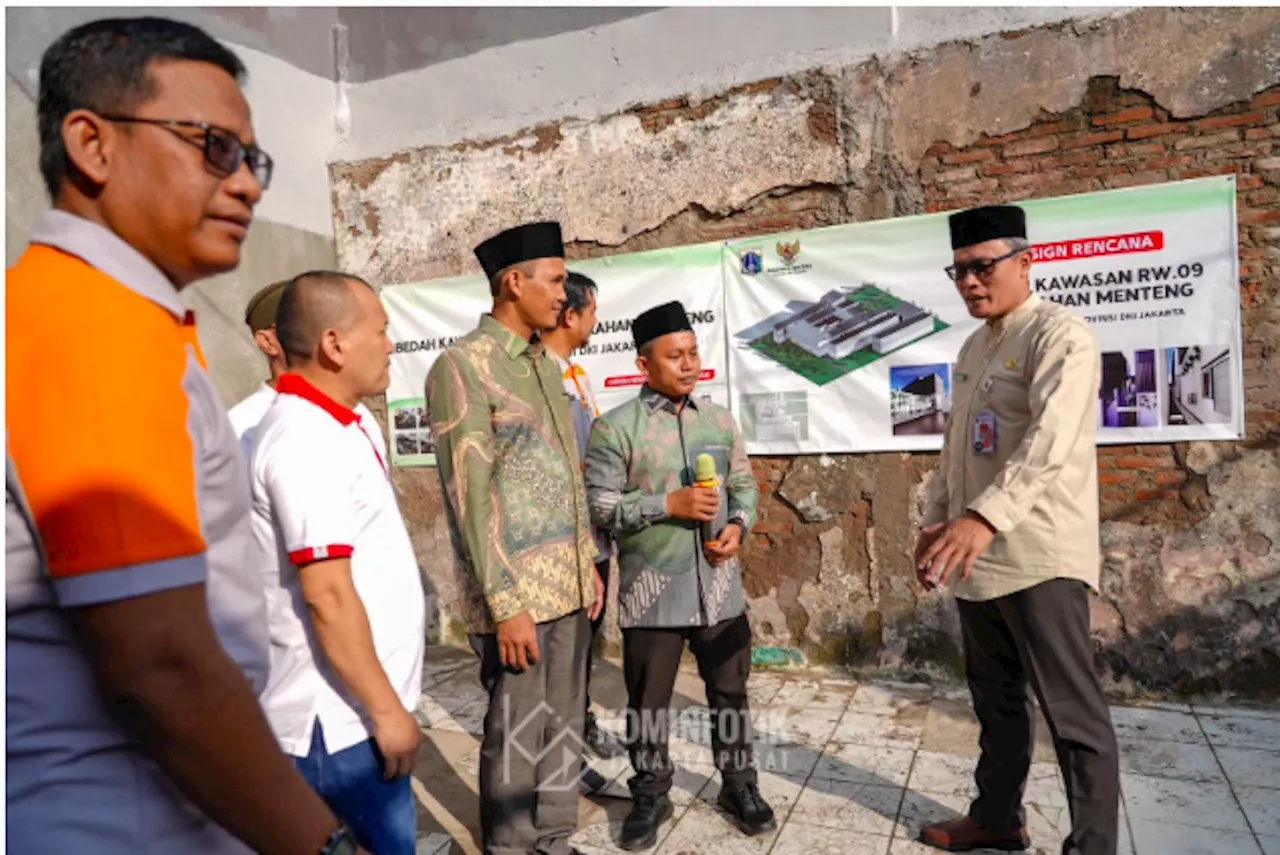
{"x": 1040, "y": 636}
{"x": 531, "y": 753}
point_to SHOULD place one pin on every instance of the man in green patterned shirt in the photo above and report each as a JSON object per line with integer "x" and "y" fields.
{"x": 679, "y": 580}
{"x": 516, "y": 506}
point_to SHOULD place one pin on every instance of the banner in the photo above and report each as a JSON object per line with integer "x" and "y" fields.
{"x": 842, "y": 339}
{"x": 427, "y": 317}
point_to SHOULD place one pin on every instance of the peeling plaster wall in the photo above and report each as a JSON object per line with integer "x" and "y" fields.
{"x": 609, "y": 180}
{"x": 1191, "y": 574}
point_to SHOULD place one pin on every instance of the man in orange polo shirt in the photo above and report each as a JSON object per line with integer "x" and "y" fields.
{"x": 136, "y": 631}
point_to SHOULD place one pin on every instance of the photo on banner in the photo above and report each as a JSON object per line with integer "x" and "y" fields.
{"x": 841, "y": 339}
{"x": 427, "y": 317}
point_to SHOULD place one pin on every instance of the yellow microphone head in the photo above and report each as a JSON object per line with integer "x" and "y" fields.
{"x": 706, "y": 468}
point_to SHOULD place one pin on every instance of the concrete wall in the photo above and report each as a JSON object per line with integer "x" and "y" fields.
{"x": 598, "y": 70}
{"x": 293, "y": 228}
{"x": 1191, "y": 571}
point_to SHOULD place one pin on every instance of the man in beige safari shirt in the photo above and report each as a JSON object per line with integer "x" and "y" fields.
{"x": 1014, "y": 509}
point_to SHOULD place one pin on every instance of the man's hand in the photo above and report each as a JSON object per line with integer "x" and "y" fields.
{"x": 726, "y": 544}
{"x": 957, "y": 543}
{"x": 518, "y": 642}
{"x": 694, "y": 503}
{"x": 598, "y": 606}
{"x": 398, "y": 736}
{"x": 928, "y": 535}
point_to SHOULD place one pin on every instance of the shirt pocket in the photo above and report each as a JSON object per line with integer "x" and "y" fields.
{"x": 1005, "y": 394}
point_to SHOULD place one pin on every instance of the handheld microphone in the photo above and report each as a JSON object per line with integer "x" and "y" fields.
{"x": 705, "y": 476}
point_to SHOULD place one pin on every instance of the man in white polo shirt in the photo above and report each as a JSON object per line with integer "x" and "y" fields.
{"x": 345, "y": 604}
{"x": 260, "y": 315}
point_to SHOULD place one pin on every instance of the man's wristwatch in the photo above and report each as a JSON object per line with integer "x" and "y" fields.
{"x": 341, "y": 842}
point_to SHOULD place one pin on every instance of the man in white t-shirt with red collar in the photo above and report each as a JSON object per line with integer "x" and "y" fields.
{"x": 345, "y": 603}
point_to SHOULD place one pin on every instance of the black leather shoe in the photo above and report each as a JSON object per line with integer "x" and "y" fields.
{"x": 748, "y": 808}
{"x": 640, "y": 828}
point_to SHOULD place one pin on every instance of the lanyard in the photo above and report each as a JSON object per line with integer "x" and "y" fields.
{"x": 582, "y": 396}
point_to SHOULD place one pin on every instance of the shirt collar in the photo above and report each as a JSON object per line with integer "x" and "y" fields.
{"x": 1019, "y": 314}
{"x": 655, "y": 400}
{"x": 295, "y": 384}
{"x": 512, "y": 345}
{"x": 105, "y": 250}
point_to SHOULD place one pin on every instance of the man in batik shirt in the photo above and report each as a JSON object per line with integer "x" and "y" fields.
{"x": 680, "y": 579}
{"x": 517, "y": 515}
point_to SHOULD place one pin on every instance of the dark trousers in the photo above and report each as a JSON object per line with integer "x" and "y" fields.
{"x": 531, "y": 753}
{"x": 1041, "y": 636}
{"x": 602, "y": 569}
{"x": 650, "y": 660}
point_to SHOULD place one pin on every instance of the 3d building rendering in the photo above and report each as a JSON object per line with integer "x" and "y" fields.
{"x": 847, "y": 320}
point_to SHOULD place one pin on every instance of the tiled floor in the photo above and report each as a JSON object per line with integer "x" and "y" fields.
{"x": 857, "y": 769}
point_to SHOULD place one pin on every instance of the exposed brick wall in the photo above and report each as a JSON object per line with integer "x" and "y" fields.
{"x": 1120, "y": 138}
{"x": 1115, "y": 138}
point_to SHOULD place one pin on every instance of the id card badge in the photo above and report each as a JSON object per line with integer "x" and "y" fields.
{"x": 984, "y": 432}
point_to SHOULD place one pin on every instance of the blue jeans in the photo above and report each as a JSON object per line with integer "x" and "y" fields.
{"x": 380, "y": 812}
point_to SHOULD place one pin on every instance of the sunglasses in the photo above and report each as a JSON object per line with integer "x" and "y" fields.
{"x": 223, "y": 150}
{"x": 980, "y": 267}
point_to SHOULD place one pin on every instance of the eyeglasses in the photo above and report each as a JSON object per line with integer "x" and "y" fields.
{"x": 223, "y": 150}
{"x": 980, "y": 267}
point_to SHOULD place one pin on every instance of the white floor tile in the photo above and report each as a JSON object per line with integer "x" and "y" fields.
{"x": 1203, "y": 804}
{"x": 1251, "y": 767}
{"x": 865, "y": 764}
{"x": 762, "y": 689}
{"x": 887, "y": 700}
{"x": 848, "y": 806}
{"x": 1263, "y": 809}
{"x": 1270, "y": 845}
{"x": 1162, "y": 759}
{"x": 1044, "y": 786}
{"x": 799, "y": 839}
{"x": 811, "y": 694}
{"x": 861, "y": 728}
{"x": 1164, "y": 838}
{"x": 1151, "y": 723}
{"x": 1048, "y": 827}
{"x": 1232, "y": 731}
{"x": 943, "y": 773}
{"x": 1240, "y": 712}
{"x": 781, "y": 725}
